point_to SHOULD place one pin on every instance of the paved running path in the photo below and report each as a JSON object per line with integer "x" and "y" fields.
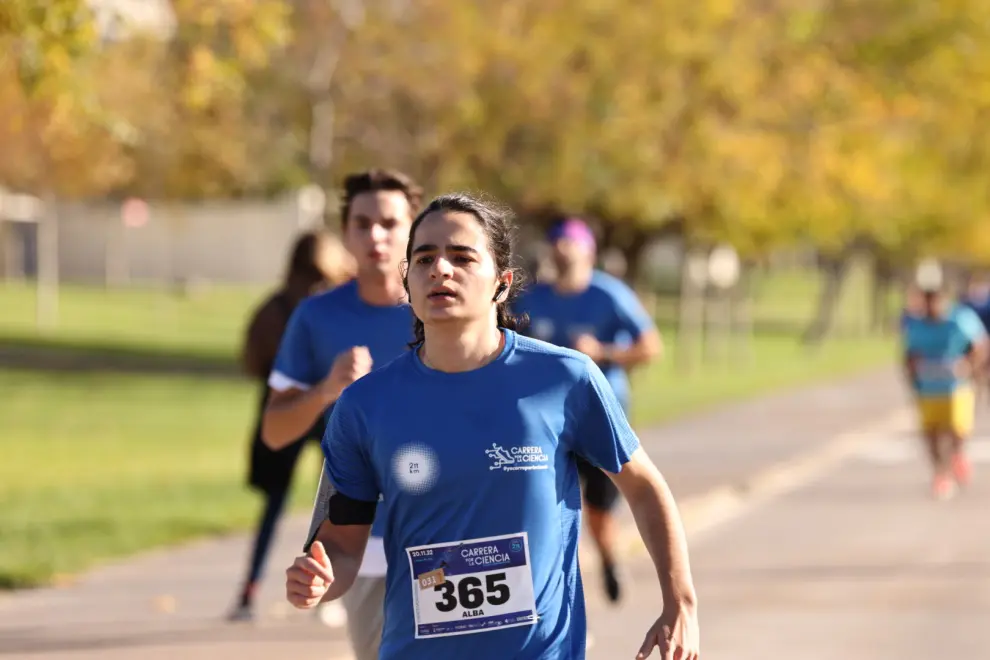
{"x": 170, "y": 603}
{"x": 860, "y": 564}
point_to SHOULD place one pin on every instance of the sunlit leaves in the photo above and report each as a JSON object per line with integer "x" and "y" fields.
{"x": 756, "y": 123}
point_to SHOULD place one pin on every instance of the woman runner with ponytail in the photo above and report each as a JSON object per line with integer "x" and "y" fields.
{"x": 472, "y": 438}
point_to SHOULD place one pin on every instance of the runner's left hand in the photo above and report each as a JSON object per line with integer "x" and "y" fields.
{"x": 675, "y": 633}
{"x": 590, "y": 346}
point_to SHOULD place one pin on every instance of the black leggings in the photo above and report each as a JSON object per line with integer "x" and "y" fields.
{"x": 274, "y": 503}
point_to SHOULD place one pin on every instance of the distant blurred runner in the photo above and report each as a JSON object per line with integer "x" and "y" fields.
{"x": 943, "y": 349}
{"x": 595, "y": 313}
{"x": 317, "y": 261}
{"x": 338, "y": 337}
{"x": 977, "y": 298}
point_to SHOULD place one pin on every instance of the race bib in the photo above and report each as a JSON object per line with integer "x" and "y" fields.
{"x": 936, "y": 370}
{"x": 472, "y": 586}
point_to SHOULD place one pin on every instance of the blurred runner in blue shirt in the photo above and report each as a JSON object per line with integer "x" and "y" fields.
{"x": 977, "y": 298}
{"x": 334, "y": 339}
{"x": 599, "y": 315}
{"x": 473, "y": 438}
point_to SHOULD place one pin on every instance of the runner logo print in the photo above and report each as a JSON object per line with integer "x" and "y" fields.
{"x": 526, "y": 457}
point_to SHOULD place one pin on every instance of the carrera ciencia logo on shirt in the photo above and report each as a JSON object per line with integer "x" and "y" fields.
{"x": 526, "y": 457}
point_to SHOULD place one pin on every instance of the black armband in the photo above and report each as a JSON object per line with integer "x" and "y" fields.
{"x": 339, "y": 509}
{"x": 344, "y": 510}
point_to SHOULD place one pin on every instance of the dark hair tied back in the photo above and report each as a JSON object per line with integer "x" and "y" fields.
{"x": 497, "y": 223}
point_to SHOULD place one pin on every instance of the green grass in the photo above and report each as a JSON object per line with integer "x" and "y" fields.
{"x": 661, "y": 393}
{"x": 206, "y": 323}
{"x": 101, "y": 465}
{"x": 98, "y": 466}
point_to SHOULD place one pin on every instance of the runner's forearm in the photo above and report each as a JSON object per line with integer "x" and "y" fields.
{"x": 287, "y": 419}
{"x": 978, "y": 356}
{"x": 662, "y": 530}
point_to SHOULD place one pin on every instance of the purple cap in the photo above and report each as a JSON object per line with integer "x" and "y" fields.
{"x": 574, "y": 229}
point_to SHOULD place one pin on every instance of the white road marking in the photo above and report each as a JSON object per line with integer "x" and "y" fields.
{"x": 898, "y": 451}
{"x": 705, "y": 512}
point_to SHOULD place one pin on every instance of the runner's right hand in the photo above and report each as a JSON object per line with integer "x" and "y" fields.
{"x": 347, "y": 368}
{"x": 309, "y": 577}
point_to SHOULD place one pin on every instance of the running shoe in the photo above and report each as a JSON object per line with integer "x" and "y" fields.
{"x": 943, "y": 488}
{"x": 243, "y": 613}
{"x": 612, "y": 588}
{"x": 962, "y": 469}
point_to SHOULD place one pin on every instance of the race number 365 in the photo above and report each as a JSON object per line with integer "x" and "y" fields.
{"x": 471, "y": 592}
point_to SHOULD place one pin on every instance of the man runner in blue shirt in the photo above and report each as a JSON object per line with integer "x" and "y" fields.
{"x": 592, "y": 312}
{"x": 472, "y": 439}
{"x": 943, "y": 349}
{"x": 335, "y": 338}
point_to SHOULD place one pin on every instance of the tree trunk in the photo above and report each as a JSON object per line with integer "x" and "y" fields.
{"x": 833, "y": 271}
{"x": 632, "y": 252}
{"x": 48, "y": 271}
{"x": 319, "y": 81}
{"x": 742, "y": 318}
{"x": 882, "y": 284}
{"x": 690, "y": 315}
{"x": 718, "y": 326}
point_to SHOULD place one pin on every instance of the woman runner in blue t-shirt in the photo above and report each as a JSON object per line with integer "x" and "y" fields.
{"x": 472, "y": 438}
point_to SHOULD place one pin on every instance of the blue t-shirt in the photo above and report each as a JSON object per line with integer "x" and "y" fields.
{"x": 608, "y": 310}
{"x": 327, "y": 324}
{"x": 481, "y": 496}
{"x": 981, "y": 306}
{"x": 939, "y": 344}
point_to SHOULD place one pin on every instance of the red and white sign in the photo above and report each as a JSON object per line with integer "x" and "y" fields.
{"x": 134, "y": 212}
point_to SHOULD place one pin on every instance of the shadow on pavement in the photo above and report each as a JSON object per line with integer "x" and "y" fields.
{"x": 963, "y": 570}
{"x": 39, "y": 354}
{"x": 38, "y": 639}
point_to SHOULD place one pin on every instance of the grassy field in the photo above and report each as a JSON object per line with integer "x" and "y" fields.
{"x": 205, "y": 323}
{"x": 99, "y": 465}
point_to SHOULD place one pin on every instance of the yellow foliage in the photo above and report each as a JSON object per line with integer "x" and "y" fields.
{"x": 756, "y": 123}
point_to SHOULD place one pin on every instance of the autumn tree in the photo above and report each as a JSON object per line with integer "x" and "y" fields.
{"x": 189, "y": 95}
{"x": 58, "y": 138}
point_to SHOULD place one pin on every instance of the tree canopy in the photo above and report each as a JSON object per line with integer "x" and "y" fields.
{"x": 759, "y": 124}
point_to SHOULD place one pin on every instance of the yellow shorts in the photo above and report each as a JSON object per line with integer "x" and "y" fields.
{"x": 954, "y": 412}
